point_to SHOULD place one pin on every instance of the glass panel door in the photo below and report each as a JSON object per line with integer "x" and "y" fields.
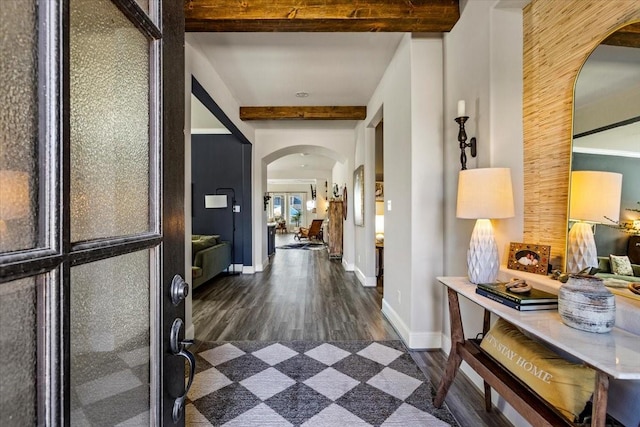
{"x": 82, "y": 294}
{"x": 109, "y": 123}
{"x": 295, "y": 209}
{"x": 18, "y": 125}
{"x": 110, "y": 336}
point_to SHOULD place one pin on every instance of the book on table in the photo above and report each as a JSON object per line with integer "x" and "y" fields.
{"x": 520, "y": 307}
{"x": 534, "y": 296}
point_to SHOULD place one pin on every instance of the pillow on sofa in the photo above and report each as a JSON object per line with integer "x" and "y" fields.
{"x": 621, "y": 265}
{"x": 203, "y": 242}
{"x": 214, "y": 238}
{"x": 198, "y": 245}
{"x": 566, "y": 385}
{"x": 604, "y": 265}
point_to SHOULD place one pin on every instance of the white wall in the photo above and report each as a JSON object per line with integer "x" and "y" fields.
{"x": 188, "y": 308}
{"x": 409, "y": 97}
{"x": 483, "y": 65}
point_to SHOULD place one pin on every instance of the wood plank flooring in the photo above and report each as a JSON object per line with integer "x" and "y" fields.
{"x": 303, "y": 295}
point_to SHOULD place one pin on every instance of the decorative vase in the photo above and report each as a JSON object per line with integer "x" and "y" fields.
{"x": 585, "y": 303}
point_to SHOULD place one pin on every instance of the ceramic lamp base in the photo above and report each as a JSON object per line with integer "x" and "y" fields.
{"x": 482, "y": 257}
{"x": 581, "y": 248}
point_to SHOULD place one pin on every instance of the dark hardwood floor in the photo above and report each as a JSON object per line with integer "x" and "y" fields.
{"x": 303, "y": 295}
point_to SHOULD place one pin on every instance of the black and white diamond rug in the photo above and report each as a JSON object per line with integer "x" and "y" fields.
{"x": 302, "y": 383}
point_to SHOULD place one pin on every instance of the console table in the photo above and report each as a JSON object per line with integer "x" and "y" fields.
{"x": 612, "y": 355}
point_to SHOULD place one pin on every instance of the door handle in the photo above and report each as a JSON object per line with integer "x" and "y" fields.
{"x": 178, "y": 348}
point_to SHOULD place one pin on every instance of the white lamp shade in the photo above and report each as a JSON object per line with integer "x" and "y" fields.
{"x": 215, "y": 201}
{"x": 379, "y": 224}
{"x": 485, "y": 193}
{"x": 14, "y": 194}
{"x": 595, "y": 196}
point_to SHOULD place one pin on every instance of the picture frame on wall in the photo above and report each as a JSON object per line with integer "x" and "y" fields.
{"x": 358, "y": 196}
{"x": 379, "y": 191}
{"x": 533, "y": 258}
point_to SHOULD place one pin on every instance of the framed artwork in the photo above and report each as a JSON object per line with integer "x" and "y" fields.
{"x": 358, "y": 196}
{"x": 379, "y": 191}
{"x": 344, "y": 203}
{"x": 529, "y": 257}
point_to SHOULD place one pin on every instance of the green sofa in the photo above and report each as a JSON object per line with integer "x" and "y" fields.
{"x": 211, "y": 256}
{"x": 604, "y": 264}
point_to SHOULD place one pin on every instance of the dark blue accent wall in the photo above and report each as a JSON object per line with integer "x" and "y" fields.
{"x": 221, "y": 161}
{"x": 608, "y": 240}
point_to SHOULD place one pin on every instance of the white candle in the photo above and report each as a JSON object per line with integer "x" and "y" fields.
{"x": 461, "y": 108}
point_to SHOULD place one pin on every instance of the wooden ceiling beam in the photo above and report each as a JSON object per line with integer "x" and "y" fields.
{"x": 303, "y": 113}
{"x": 320, "y": 15}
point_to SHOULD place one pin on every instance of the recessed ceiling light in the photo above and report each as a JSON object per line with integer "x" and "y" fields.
{"x": 302, "y": 94}
{"x": 304, "y": 154}
{"x": 303, "y": 166}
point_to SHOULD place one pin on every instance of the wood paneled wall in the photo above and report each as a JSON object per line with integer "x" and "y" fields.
{"x": 559, "y": 35}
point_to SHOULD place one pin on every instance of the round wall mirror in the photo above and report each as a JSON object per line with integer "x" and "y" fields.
{"x": 606, "y": 135}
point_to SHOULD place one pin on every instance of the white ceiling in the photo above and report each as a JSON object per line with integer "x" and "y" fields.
{"x": 267, "y": 69}
{"x": 297, "y": 162}
{"x": 203, "y": 120}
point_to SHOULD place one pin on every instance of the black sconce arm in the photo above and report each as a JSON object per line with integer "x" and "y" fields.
{"x": 462, "y": 139}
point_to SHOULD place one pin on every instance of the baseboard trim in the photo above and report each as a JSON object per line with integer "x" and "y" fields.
{"x": 413, "y": 340}
{"x": 248, "y": 269}
{"x": 347, "y": 266}
{"x": 366, "y": 281}
{"x": 396, "y": 321}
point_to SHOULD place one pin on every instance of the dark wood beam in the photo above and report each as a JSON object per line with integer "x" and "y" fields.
{"x": 303, "y": 113}
{"x": 628, "y": 36}
{"x": 321, "y": 15}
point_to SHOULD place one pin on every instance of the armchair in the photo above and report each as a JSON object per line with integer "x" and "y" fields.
{"x": 314, "y": 231}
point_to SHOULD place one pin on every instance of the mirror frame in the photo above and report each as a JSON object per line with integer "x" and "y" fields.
{"x": 558, "y": 39}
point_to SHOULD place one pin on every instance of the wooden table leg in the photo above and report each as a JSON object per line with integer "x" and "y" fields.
{"x": 457, "y": 337}
{"x": 486, "y": 323}
{"x": 600, "y": 395}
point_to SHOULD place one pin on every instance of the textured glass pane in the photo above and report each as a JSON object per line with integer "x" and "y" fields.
{"x": 109, "y": 123}
{"x": 18, "y": 124}
{"x": 110, "y": 341}
{"x": 18, "y": 353}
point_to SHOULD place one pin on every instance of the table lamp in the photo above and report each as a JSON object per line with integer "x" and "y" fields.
{"x": 484, "y": 194}
{"x": 595, "y": 198}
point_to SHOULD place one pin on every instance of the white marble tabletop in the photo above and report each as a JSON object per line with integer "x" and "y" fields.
{"x": 617, "y": 353}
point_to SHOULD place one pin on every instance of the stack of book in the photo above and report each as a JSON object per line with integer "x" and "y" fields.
{"x": 534, "y": 299}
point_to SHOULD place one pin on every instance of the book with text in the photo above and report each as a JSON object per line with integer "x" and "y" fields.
{"x": 534, "y": 296}
{"x": 520, "y": 307}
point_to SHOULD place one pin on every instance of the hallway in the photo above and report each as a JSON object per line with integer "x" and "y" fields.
{"x": 305, "y": 296}
{"x": 302, "y": 295}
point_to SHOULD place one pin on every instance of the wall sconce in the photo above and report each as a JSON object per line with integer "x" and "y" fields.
{"x": 462, "y": 136}
{"x": 265, "y": 200}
